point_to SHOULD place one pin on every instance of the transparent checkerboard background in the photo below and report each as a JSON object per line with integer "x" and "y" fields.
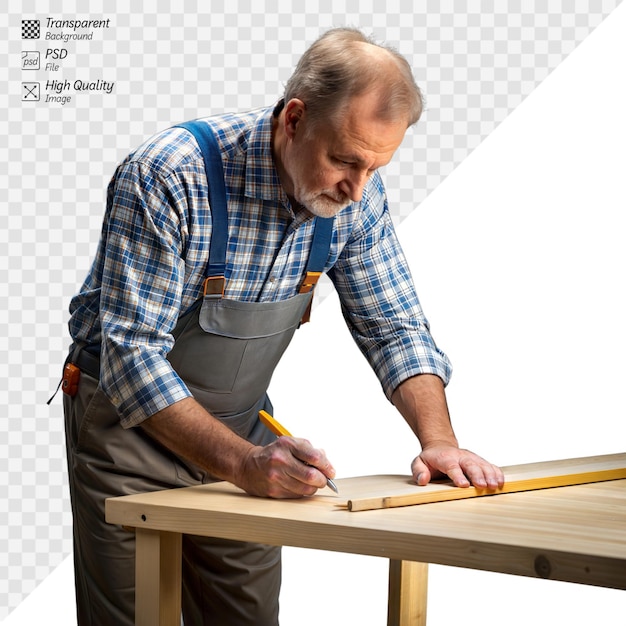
{"x": 171, "y": 64}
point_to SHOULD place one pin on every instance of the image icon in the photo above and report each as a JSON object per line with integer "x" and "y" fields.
{"x": 30, "y": 92}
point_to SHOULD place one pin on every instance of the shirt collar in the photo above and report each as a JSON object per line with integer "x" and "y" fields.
{"x": 262, "y": 180}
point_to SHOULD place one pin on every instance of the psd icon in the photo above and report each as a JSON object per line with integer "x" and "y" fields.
{"x": 30, "y": 60}
{"x": 31, "y": 29}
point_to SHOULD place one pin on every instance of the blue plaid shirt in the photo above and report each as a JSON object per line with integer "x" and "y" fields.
{"x": 151, "y": 259}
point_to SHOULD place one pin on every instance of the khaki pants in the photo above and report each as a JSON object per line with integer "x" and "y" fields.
{"x": 225, "y": 583}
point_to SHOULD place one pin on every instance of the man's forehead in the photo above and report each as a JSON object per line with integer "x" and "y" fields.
{"x": 361, "y": 140}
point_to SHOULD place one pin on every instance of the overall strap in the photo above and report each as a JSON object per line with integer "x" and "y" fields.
{"x": 214, "y": 282}
{"x": 318, "y": 255}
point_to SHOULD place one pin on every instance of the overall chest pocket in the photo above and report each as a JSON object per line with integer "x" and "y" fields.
{"x": 230, "y": 347}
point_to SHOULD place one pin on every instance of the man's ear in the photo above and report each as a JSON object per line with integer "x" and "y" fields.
{"x": 295, "y": 111}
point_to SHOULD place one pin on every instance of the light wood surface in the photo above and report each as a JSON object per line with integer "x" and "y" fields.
{"x": 158, "y": 576}
{"x": 569, "y": 533}
{"x": 575, "y": 533}
{"x": 408, "y": 593}
{"x": 527, "y": 477}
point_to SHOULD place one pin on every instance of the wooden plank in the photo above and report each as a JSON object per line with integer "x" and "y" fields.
{"x": 158, "y": 578}
{"x": 518, "y": 478}
{"x": 408, "y": 593}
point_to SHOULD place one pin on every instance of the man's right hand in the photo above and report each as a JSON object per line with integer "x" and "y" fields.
{"x": 286, "y": 468}
{"x": 289, "y": 467}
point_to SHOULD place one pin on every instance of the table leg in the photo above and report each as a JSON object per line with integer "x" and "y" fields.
{"x": 408, "y": 589}
{"x": 158, "y": 578}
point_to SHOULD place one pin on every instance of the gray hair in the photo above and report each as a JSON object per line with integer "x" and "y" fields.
{"x": 338, "y": 67}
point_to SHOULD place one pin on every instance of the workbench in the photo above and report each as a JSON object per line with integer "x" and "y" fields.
{"x": 572, "y": 533}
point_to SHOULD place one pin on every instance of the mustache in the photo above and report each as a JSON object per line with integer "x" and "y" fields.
{"x": 337, "y": 196}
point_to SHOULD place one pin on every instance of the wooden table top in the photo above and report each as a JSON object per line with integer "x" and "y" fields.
{"x": 575, "y": 533}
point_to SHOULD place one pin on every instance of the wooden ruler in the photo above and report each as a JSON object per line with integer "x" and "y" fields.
{"x": 518, "y": 478}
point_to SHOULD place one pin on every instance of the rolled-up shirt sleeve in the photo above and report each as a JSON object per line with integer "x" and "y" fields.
{"x": 379, "y": 301}
{"x": 141, "y": 285}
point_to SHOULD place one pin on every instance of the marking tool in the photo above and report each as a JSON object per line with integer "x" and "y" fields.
{"x": 281, "y": 431}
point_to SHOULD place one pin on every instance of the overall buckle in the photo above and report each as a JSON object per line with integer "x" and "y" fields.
{"x": 309, "y": 282}
{"x": 214, "y": 286}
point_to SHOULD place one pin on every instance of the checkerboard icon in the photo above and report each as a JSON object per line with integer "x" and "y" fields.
{"x": 30, "y": 29}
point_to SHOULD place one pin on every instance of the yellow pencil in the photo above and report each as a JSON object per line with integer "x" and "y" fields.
{"x": 281, "y": 431}
{"x": 273, "y": 425}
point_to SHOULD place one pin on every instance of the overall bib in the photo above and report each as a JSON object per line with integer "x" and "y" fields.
{"x": 226, "y": 352}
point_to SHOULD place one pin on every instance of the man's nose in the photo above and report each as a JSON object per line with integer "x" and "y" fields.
{"x": 354, "y": 183}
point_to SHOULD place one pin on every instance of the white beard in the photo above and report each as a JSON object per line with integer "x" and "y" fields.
{"x": 323, "y": 203}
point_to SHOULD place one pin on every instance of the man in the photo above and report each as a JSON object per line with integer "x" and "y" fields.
{"x": 188, "y": 308}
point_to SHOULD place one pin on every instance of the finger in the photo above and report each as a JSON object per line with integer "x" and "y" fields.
{"x": 482, "y": 474}
{"x": 309, "y": 477}
{"x": 314, "y": 457}
{"x": 293, "y": 479}
{"x": 500, "y": 478}
{"x": 289, "y": 487}
{"x": 295, "y": 471}
{"x": 326, "y": 467}
{"x": 458, "y": 477}
{"x": 420, "y": 471}
{"x": 494, "y": 476}
{"x": 284, "y": 474}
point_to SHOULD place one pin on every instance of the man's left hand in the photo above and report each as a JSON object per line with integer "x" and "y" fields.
{"x": 463, "y": 467}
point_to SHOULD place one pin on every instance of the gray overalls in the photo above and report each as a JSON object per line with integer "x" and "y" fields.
{"x": 226, "y": 352}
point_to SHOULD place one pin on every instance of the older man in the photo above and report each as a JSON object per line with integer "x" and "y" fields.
{"x": 214, "y": 235}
